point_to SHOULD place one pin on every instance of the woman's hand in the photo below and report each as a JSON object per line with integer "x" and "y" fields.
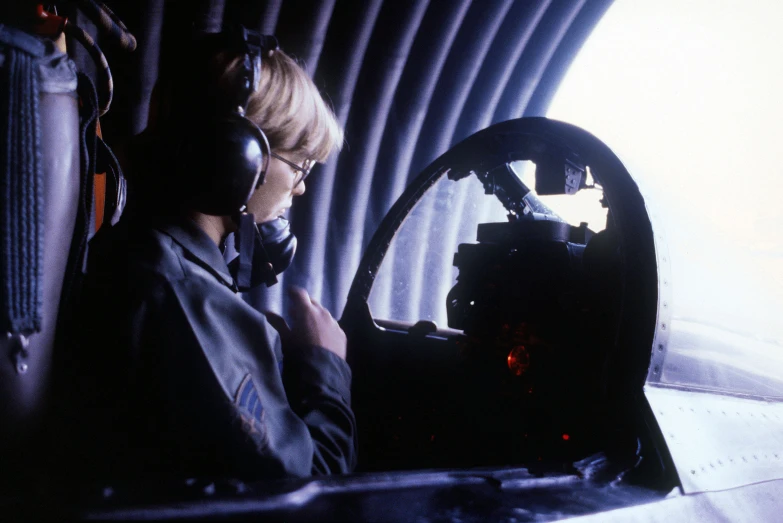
{"x": 311, "y": 325}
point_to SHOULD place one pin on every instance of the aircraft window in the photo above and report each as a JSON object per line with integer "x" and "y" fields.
{"x": 446, "y": 216}
{"x": 690, "y": 93}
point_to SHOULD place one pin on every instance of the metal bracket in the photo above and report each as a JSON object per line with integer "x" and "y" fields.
{"x": 574, "y": 177}
{"x": 19, "y": 343}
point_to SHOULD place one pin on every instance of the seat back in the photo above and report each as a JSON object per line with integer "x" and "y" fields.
{"x": 26, "y": 361}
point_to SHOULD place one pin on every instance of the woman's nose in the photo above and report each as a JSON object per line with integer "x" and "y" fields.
{"x": 299, "y": 189}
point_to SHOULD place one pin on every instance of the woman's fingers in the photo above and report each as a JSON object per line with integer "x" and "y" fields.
{"x": 312, "y": 324}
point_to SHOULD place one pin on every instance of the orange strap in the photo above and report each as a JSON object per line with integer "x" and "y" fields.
{"x": 99, "y": 188}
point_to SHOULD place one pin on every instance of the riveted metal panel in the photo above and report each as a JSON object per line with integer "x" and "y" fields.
{"x": 719, "y": 442}
{"x": 664, "y": 315}
{"x": 752, "y": 503}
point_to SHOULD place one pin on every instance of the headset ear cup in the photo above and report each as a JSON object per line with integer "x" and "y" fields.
{"x": 227, "y": 161}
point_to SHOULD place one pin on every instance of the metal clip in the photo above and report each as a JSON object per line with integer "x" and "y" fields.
{"x": 19, "y": 343}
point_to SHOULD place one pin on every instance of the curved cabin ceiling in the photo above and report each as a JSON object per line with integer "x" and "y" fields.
{"x": 407, "y": 79}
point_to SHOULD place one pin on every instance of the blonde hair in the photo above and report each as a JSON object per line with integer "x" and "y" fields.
{"x": 290, "y": 110}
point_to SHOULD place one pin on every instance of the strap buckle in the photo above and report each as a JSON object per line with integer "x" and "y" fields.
{"x": 19, "y": 353}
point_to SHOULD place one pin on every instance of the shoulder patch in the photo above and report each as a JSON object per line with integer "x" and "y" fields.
{"x": 251, "y": 412}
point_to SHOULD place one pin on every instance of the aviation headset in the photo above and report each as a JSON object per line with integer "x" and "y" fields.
{"x": 220, "y": 157}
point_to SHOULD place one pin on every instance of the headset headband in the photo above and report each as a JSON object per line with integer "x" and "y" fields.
{"x": 249, "y": 44}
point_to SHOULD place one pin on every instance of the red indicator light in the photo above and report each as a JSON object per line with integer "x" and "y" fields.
{"x": 518, "y": 360}
{"x": 566, "y": 437}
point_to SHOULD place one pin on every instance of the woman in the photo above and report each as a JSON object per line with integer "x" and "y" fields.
{"x": 177, "y": 375}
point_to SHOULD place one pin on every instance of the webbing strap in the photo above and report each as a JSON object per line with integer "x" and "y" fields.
{"x": 77, "y": 256}
{"x": 246, "y": 239}
{"x": 115, "y": 190}
{"x": 21, "y": 194}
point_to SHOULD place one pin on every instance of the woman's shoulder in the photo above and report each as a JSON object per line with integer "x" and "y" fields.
{"x": 135, "y": 247}
{"x": 129, "y": 266}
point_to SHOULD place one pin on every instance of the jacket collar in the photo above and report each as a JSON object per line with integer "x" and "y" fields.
{"x": 198, "y": 246}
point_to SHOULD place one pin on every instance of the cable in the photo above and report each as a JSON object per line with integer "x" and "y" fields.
{"x": 105, "y": 19}
{"x": 50, "y": 24}
{"x": 97, "y": 55}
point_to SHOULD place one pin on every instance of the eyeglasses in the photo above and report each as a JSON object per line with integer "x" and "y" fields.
{"x": 305, "y": 169}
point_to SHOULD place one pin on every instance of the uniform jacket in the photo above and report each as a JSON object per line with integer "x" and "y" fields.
{"x": 176, "y": 375}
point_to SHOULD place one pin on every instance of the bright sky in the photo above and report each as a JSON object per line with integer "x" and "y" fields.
{"x": 689, "y": 93}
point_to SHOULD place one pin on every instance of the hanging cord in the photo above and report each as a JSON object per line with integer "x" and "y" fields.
{"x": 108, "y": 23}
{"x": 107, "y": 92}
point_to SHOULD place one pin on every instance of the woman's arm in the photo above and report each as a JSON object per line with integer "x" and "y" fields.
{"x": 225, "y": 389}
